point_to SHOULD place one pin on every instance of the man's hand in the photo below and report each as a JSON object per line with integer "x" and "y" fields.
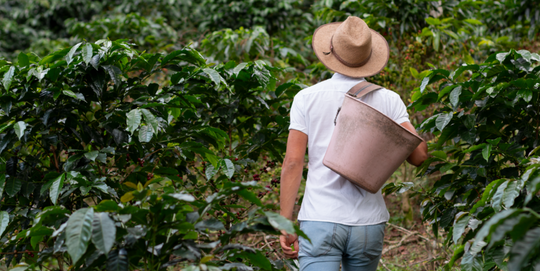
{"x": 287, "y": 240}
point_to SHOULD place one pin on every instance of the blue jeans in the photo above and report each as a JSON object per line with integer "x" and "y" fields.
{"x": 354, "y": 247}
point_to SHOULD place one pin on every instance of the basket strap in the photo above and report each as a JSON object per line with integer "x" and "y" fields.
{"x": 362, "y": 89}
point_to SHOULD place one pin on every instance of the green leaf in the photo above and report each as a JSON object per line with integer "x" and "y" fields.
{"x": 454, "y": 96}
{"x": 486, "y": 152}
{"x": 79, "y": 232}
{"x": 468, "y": 59}
{"x": 103, "y": 232}
{"x": 481, "y": 235}
{"x": 433, "y": 21}
{"x": 56, "y": 188}
{"x": 279, "y": 222}
{"x": 459, "y": 228}
{"x": 443, "y": 120}
{"x": 4, "y": 221}
{"x": 533, "y": 187}
{"x": 211, "y": 224}
{"x": 229, "y": 168}
{"x": 496, "y": 201}
{"x": 473, "y": 21}
{"x": 13, "y": 186}
{"x": 91, "y": 155}
{"x": 133, "y": 120}
{"x": 76, "y": 96}
{"x": 118, "y": 261}
{"x": 211, "y": 171}
{"x": 258, "y": 259}
{"x": 249, "y": 196}
{"x": 145, "y": 134}
{"x": 181, "y": 196}
{"x": 510, "y": 194}
{"x": 525, "y": 94}
{"x": 87, "y": 53}
{"x": 19, "y": 128}
{"x": 214, "y": 75}
{"x": 150, "y": 119}
{"x": 424, "y": 84}
{"x": 8, "y": 77}
{"x": 69, "y": 56}
{"x": 72, "y": 162}
{"x": 486, "y": 195}
{"x": 471, "y": 262}
{"x": 23, "y": 60}
{"x": 439, "y": 154}
{"x": 414, "y": 72}
{"x": 502, "y": 56}
{"x": 2, "y": 184}
{"x": 239, "y": 68}
{"x": 523, "y": 248}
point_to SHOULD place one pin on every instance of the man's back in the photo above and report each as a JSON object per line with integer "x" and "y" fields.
{"x": 328, "y": 196}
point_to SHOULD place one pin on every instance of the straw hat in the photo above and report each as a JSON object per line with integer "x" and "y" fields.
{"x": 351, "y": 48}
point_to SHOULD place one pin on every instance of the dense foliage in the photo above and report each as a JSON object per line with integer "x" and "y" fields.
{"x": 103, "y": 165}
{"x": 486, "y": 151}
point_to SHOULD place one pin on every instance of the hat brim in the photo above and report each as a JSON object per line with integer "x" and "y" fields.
{"x": 378, "y": 60}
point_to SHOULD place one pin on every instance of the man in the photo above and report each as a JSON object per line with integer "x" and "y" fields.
{"x": 344, "y": 222}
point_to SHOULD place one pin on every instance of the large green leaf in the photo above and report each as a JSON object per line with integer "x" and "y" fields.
{"x": 454, "y": 96}
{"x": 214, "y": 75}
{"x": 211, "y": 171}
{"x": 56, "y": 188}
{"x": 72, "y": 162}
{"x": 79, "y": 232}
{"x": 118, "y": 260}
{"x": 246, "y": 194}
{"x": 211, "y": 224}
{"x": 76, "y": 96}
{"x": 279, "y": 222}
{"x": 23, "y": 60}
{"x": 145, "y": 134}
{"x": 459, "y": 228}
{"x": 150, "y": 119}
{"x": 523, "y": 248}
{"x": 133, "y": 120}
{"x": 443, "y": 119}
{"x": 19, "y": 128}
{"x": 479, "y": 242}
{"x": 471, "y": 262}
{"x": 496, "y": 201}
{"x": 228, "y": 168}
{"x": 103, "y": 232}
{"x": 4, "y": 221}
{"x": 13, "y": 186}
{"x": 71, "y": 53}
{"x": 87, "y": 53}
{"x": 511, "y": 193}
{"x": 8, "y": 77}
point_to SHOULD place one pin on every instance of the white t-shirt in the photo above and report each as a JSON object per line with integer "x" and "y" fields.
{"x": 328, "y": 196}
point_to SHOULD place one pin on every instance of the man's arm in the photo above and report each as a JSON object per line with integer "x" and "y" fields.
{"x": 291, "y": 176}
{"x": 419, "y": 155}
{"x": 291, "y": 171}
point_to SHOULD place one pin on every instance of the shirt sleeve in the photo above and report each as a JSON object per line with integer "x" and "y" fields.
{"x": 298, "y": 115}
{"x": 399, "y": 110}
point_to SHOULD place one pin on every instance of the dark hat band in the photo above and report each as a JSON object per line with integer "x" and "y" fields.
{"x": 348, "y": 64}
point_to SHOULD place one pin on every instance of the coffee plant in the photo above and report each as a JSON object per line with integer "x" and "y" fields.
{"x": 486, "y": 155}
{"x": 115, "y": 159}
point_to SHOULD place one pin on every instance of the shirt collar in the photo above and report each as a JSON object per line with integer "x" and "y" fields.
{"x": 340, "y": 76}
